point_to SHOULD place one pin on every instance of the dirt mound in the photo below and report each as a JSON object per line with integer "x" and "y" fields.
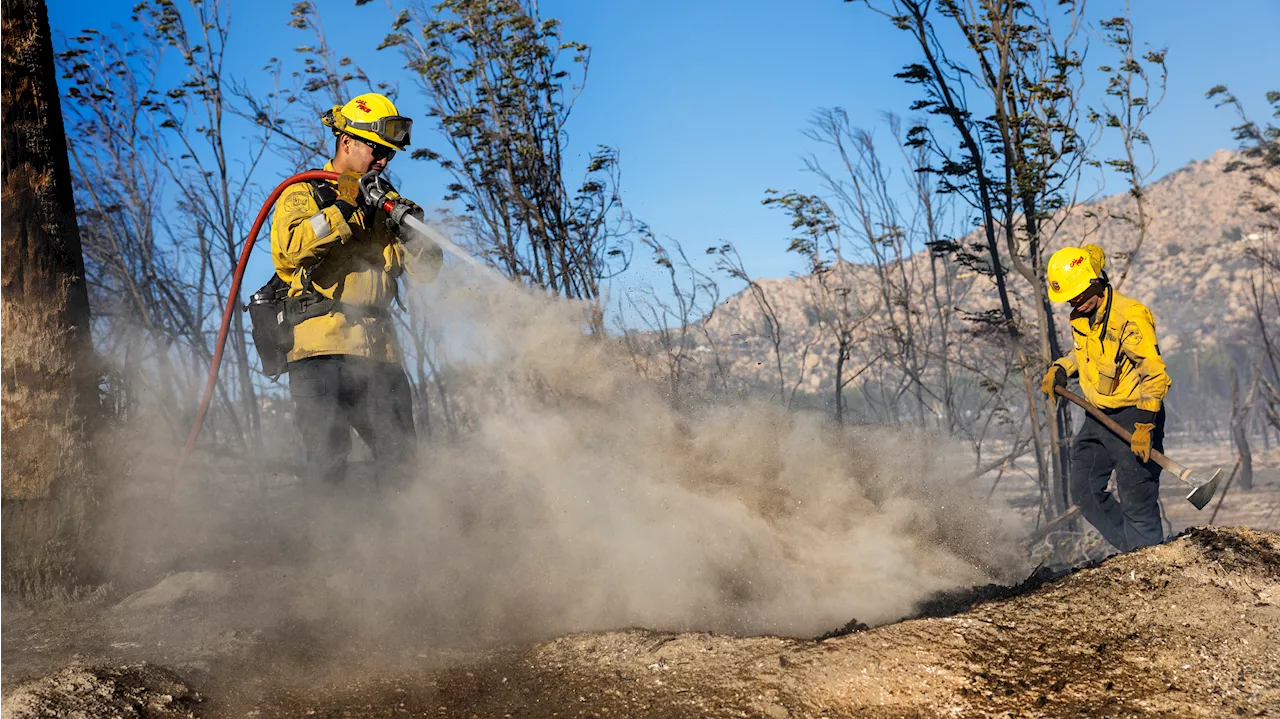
{"x": 177, "y": 588}
{"x": 1184, "y": 629}
{"x": 138, "y": 690}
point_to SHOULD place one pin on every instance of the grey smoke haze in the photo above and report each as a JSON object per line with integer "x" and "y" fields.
{"x": 581, "y": 500}
{"x": 576, "y": 499}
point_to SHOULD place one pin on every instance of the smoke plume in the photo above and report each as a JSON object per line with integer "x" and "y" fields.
{"x": 579, "y": 499}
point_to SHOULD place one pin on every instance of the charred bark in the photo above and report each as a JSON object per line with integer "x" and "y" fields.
{"x": 49, "y": 386}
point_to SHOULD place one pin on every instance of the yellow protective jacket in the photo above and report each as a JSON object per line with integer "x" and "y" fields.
{"x": 355, "y": 261}
{"x": 1117, "y": 358}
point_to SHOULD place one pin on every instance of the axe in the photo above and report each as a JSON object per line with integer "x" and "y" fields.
{"x": 1201, "y": 489}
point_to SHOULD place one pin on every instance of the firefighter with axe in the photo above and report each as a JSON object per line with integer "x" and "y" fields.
{"x": 1123, "y": 378}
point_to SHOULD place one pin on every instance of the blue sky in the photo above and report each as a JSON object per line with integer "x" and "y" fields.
{"x": 706, "y": 101}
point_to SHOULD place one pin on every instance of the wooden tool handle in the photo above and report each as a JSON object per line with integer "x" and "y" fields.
{"x": 1119, "y": 431}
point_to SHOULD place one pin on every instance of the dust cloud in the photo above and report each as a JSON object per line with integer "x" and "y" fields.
{"x": 579, "y": 499}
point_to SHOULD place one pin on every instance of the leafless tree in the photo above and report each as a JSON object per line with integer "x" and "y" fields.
{"x": 1013, "y": 145}
{"x": 832, "y": 292}
{"x": 871, "y": 211}
{"x": 139, "y": 273}
{"x": 214, "y": 170}
{"x": 301, "y": 94}
{"x": 1136, "y": 88}
{"x": 1241, "y": 406}
{"x": 494, "y": 79}
{"x": 729, "y": 261}
{"x": 672, "y": 322}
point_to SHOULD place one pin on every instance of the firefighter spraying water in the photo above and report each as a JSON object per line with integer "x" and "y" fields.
{"x": 342, "y": 237}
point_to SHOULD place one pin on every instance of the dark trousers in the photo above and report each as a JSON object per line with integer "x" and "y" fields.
{"x": 334, "y": 394}
{"x": 1134, "y": 520}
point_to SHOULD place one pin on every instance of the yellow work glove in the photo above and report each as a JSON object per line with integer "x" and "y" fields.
{"x": 413, "y": 207}
{"x": 1140, "y": 443}
{"x": 1055, "y": 377}
{"x": 348, "y": 193}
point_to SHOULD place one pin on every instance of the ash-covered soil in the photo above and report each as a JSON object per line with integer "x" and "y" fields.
{"x": 1190, "y": 628}
{"x": 132, "y": 691}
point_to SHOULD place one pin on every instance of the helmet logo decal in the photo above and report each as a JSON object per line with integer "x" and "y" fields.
{"x": 1076, "y": 261}
{"x": 1056, "y": 287}
{"x": 363, "y": 107}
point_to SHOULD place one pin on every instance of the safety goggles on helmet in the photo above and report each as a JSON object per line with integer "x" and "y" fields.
{"x": 390, "y": 130}
{"x": 395, "y": 129}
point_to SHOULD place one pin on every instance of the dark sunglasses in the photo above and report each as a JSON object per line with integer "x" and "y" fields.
{"x": 379, "y": 151}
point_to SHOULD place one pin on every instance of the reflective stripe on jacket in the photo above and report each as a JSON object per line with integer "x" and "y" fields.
{"x": 355, "y": 261}
{"x": 1123, "y": 367}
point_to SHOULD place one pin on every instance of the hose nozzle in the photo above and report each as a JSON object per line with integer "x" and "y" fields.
{"x": 374, "y": 189}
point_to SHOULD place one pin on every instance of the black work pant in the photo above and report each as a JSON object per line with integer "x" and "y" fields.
{"x": 1134, "y": 520}
{"x": 334, "y": 394}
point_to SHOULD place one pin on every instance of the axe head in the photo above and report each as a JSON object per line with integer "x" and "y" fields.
{"x": 1204, "y": 489}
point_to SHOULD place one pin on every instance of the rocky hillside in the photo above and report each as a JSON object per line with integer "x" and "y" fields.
{"x": 1191, "y": 270}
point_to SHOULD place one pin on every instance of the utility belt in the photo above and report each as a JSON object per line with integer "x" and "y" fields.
{"x": 273, "y": 314}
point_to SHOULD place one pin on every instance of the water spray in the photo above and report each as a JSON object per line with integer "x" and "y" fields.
{"x": 377, "y": 193}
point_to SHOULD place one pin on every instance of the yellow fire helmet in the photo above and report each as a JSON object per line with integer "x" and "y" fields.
{"x": 1070, "y": 273}
{"x": 373, "y": 117}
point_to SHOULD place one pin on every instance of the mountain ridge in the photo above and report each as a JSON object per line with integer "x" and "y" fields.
{"x": 1192, "y": 271}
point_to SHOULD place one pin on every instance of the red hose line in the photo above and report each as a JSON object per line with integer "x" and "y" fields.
{"x": 233, "y": 299}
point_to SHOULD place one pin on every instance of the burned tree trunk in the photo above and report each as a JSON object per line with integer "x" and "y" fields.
{"x": 49, "y": 387}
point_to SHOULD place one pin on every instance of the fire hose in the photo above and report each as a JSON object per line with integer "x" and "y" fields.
{"x": 233, "y": 298}
{"x": 375, "y": 193}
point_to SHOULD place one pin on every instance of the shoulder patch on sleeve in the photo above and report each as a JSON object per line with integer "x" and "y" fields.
{"x": 1131, "y": 334}
{"x": 298, "y": 201}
